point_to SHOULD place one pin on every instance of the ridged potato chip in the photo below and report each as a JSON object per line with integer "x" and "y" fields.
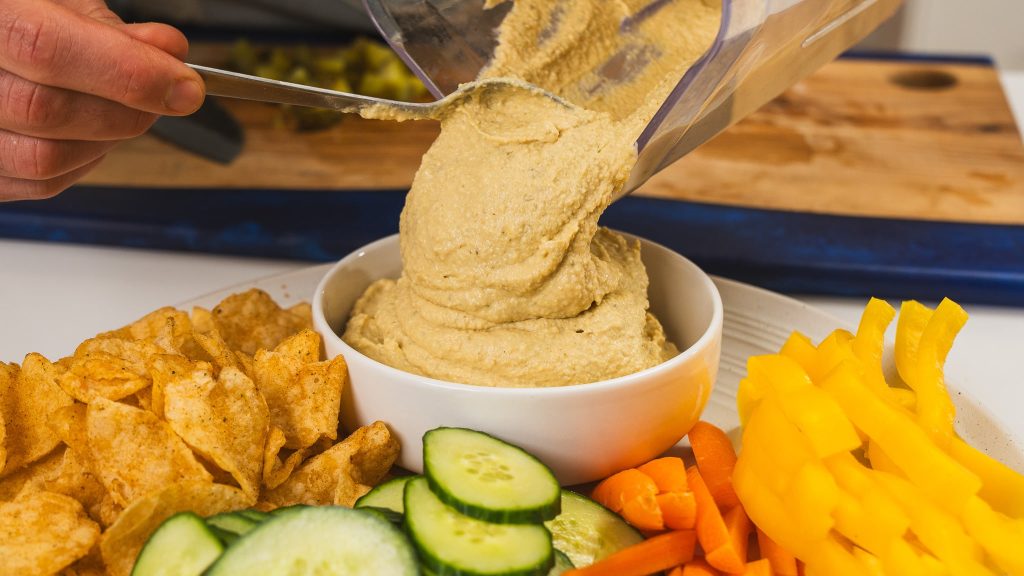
{"x": 42, "y": 532}
{"x": 27, "y": 404}
{"x": 343, "y": 473}
{"x": 112, "y": 368}
{"x": 303, "y": 395}
{"x": 250, "y": 321}
{"x": 135, "y": 453}
{"x": 275, "y": 470}
{"x": 122, "y": 542}
{"x": 225, "y": 419}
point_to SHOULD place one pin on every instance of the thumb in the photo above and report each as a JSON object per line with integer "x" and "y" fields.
{"x": 162, "y": 36}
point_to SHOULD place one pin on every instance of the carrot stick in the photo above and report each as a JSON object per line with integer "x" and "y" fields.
{"x": 733, "y": 555}
{"x": 678, "y": 509}
{"x": 698, "y": 568}
{"x": 716, "y": 459}
{"x": 668, "y": 473}
{"x": 759, "y": 568}
{"x": 712, "y": 532}
{"x": 619, "y": 488}
{"x": 677, "y": 571}
{"x": 783, "y": 562}
{"x": 632, "y": 493}
{"x": 659, "y": 553}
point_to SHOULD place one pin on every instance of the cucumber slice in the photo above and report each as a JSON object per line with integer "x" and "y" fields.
{"x": 182, "y": 546}
{"x": 232, "y": 522}
{"x": 587, "y": 532}
{"x": 387, "y": 495}
{"x": 255, "y": 515}
{"x": 321, "y": 541}
{"x": 385, "y": 513}
{"x": 562, "y": 564}
{"x": 451, "y": 544}
{"x": 488, "y": 479}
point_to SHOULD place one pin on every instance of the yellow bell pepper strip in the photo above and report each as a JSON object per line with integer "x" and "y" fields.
{"x": 938, "y": 531}
{"x": 1001, "y": 537}
{"x": 834, "y": 350}
{"x": 880, "y": 460}
{"x": 904, "y": 398}
{"x": 800, "y": 348}
{"x": 869, "y": 342}
{"x": 934, "y": 406}
{"x": 871, "y": 565}
{"x": 778, "y": 449}
{"x": 821, "y": 421}
{"x": 766, "y": 510}
{"x": 748, "y": 396}
{"x": 830, "y": 557}
{"x": 812, "y": 497}
{"x": 1001, "y": 487}
{"x": 934, "y": 472}
{"x": 913, "y": 319}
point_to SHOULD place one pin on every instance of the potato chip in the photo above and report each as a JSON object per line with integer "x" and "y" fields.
{"x": 202, "y": 320}
{"x": 122, "y": 542}
{"x": 42, "y": 532}
{"x": 276, "y": 471}
{"x": 169, "y": 328}
{"x": 225, "y": 419}
{"x": 163, "y": 369}
{"x": 113, "y": 368}
{"x": 7, "y": 375}
{"x": 27, "y": 405}
{"x": 222, "y": 355}
{"x": 135, "y": 453}
{"x": 304, "y": 395}
{"x": 251, "y": 321}
{"x": 74, "y": 479}
{"x": 89, "y": 565}
{"x": 32, "y": 477}
{"x": 343, "y": 473}
{"x": 305, "y": 311}
{"x": 144, "y": 398}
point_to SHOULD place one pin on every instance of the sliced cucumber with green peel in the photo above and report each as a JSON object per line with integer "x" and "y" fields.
{"x": 488, "y": 479}
{"x": 182, "y": 546}
{"x": 452, "y": 544}
{"x": 254, "y": 515}
{"x": 232, "y": 522}
{"x": 388, "y": 495}
{"x": 562, "y": 564}
{"x": 587, "y": 532}
{"x": 320, "y": 541}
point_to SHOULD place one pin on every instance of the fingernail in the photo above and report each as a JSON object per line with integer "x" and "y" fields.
{"x": 184, "y": 97}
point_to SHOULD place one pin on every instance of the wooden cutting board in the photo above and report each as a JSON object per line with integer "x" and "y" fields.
{"x": 900, "y": 139}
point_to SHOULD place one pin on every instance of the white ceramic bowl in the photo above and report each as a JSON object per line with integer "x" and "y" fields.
{"x": 583, "y": 432}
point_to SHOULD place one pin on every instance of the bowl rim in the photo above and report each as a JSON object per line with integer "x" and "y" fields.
{"x": 711, "y": 333}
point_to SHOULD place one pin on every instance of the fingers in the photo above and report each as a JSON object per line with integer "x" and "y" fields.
{"x": 162, "y": 36}
{"x": 44, "y": 112}
{"x": 28, "y": 158}
{"x": 52, "y": 45}
{"x": 15, "y": 189}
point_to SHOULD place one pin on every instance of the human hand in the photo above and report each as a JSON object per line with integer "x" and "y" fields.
{"x": 74, "y": 81}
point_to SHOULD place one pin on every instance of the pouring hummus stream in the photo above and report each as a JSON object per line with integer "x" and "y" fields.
{"x": 508, "y": 280}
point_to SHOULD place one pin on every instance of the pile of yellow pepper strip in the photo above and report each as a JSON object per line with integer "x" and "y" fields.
{"x": 856, "y": 475}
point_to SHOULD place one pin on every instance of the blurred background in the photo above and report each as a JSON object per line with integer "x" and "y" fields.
{"x": 946, "y": 27}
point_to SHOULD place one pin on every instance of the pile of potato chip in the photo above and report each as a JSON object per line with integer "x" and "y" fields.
{"x": 221, "y": 410}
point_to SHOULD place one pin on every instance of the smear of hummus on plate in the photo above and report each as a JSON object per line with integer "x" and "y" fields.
{"x": 508, "y": 280}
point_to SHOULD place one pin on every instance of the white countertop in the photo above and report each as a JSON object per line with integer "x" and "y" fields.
{"x": 53, "y": 296}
